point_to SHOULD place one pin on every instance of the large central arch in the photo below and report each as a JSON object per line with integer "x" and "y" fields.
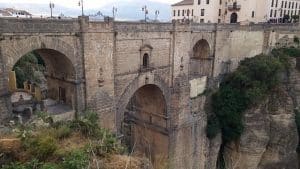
{"x": 142, "y": 119}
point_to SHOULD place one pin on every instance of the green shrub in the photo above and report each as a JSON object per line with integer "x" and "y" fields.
{"x": 213, "y": 126}
{"x": 63, "y": 131}
{"x": 77, "y": 159}
{"x": 292, "y": 52}
{"x": 41, "y": 146}
{"x": 247, "y": 86}
{"x": 297, "y": 118}
{"x": 106, "y": 145}
{"x": 34, "y": 164}
{"x": 14, "y": 166}
{"x": 87, "y": 125}
{"x": 50, "y": 166}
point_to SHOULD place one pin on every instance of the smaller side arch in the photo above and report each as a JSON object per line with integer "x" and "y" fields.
{"x": 201, "y": 50}
{"x": 201, "y": 62}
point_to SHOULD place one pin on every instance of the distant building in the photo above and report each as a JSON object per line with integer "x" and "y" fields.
{"x": 233, "y": 11}
{"x": 11, "y": 12}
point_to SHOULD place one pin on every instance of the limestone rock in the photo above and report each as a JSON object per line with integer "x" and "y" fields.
{"x": 270, "y": 138}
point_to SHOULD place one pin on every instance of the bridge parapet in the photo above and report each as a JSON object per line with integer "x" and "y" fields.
{"x": 142, "y": 27}
{"x": 34, "y": 25}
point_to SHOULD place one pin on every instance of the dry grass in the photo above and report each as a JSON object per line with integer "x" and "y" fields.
{"x": 75, "y": 141}
{"x": 124, "y": 162}
{"x": 8, "y": 145}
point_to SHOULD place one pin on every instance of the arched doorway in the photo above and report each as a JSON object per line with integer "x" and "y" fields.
{"x": 233, "y": 17}
{"x": 201, "y": 60}
{"x": 43, "y": 80}
{"x": 145, "y": 125}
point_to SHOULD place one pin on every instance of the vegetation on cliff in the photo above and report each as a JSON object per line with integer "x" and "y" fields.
{"x": 76, "y": 144}
{"x": 253, "y": 80}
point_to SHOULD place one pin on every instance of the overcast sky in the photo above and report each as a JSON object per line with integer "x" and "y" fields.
{"x": 127, "y": 9}
{"x": 88, "y": 4}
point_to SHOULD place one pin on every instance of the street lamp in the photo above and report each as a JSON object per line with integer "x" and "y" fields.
{"x": 51, "y": 5}
{"x": 80, "y": 3}
{"x": 144, "y": 8}
{"x": 114, "y": 10}
{"x": 156, "y": 14}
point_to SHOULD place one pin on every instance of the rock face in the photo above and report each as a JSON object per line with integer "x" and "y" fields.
{"x": 270, "y": 138}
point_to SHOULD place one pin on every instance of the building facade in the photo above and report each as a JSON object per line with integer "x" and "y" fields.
{"x": 233, "y": 11}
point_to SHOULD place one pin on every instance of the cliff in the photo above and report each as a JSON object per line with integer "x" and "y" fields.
{"x": 270, "y": 137}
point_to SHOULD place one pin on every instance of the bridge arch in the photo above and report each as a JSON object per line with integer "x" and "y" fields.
{"x": 201, "y": 60}
{"x": 63, "y": 70}
{"x": 18, "y": 49}
{"x": 142, "y": 118}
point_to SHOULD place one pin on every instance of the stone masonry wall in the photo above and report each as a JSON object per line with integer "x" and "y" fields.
{"x": 107, "y": 57}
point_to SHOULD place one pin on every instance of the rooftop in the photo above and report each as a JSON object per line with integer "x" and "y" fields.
{"x": 184, "y": 2}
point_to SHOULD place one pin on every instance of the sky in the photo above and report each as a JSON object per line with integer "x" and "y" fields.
{"x": 127, "y": 9}
{"x": 89, "y": 4}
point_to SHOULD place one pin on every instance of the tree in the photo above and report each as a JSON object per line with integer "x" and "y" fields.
{"x": 26, "y": 67}
{"x": 286, "y": 18}
{"x": 295, "y": 18}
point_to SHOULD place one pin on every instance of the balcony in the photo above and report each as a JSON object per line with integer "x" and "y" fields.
{"x": 234, "y": 7}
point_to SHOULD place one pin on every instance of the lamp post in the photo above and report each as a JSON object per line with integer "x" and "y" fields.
{"x": 114, "y": 10}
{"x": 156, "y": 14}
{"x": 80, "y": 3}
{"x": 51, "y": 5}
{"x": 144, "y": 8}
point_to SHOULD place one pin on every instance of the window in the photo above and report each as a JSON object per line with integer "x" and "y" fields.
{"x": 271, "y": 13}
{"x": 192, "y": 12}
{"x": 272, "y": 3}
{"x": 280, "y": 13}
{"x": 233, "y": 18}
{"x": 276, "y": 4}
{"x": 146, "y": 60}
{"x": 282, "y": 4}
{"x": 220, "y": 2}
{"x": 289, "y": 4}
{"x": 275, "y": 13}
{"x": 182, "y": 12}
{"x": 188, "y": 12}
{"x": 202, "y": 12}
{"x": 199, "y": 2}
{"x": 285, "y": 5}
{"x": 178, "y": 12}
{"x": 174, "y": 13}
{"x": 207, "y": 1}
{"x": 253, "y": 14}
{"x": 220, "y": 12}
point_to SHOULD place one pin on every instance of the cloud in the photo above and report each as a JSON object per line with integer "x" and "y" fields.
{"x": 129, "y": 9}
{"x": 89, "y": 4}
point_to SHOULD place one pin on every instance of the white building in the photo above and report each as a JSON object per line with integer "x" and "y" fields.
{"x": 232, "y": 11}
{"x": 11, "y": 12}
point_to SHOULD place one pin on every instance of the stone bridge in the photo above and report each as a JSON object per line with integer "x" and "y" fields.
{"x": 145, "y": 80}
